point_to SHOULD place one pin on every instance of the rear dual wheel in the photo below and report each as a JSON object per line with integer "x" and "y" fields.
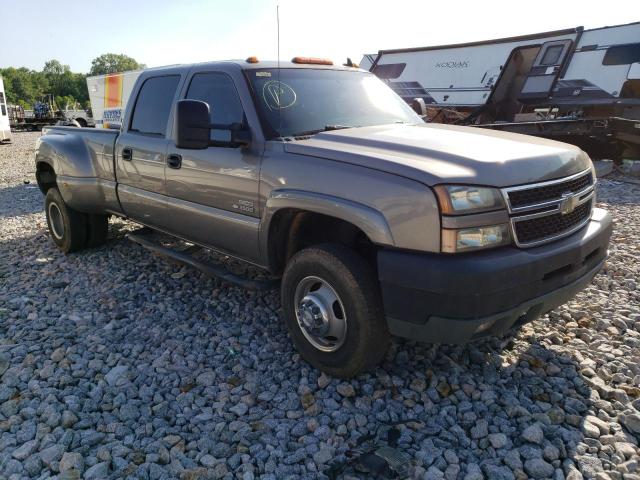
{"x": 72, "y": 230}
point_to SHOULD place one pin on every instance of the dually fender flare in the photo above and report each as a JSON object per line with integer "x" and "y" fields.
{"x": 369, "y": 220}
{"x": 45, "y": 153}
{"x": 66, "y": 155}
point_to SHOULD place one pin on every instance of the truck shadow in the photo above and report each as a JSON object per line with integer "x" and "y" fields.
{"x": 517, "y": 404}
{"x": 20, "y": 199}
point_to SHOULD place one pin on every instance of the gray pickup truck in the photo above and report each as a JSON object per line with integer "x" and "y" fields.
{"x": 376, "y": 223}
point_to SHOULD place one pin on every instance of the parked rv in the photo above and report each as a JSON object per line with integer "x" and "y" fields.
{"x": 109, "y": 95}
{"x": 575, "y": 85}
{"x": 5, "y": 129}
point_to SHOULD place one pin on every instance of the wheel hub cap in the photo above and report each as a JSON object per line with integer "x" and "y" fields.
{"x": 320, "y": 314}
{"x": 55, "y": 220}
{"x": 315, "y": 319}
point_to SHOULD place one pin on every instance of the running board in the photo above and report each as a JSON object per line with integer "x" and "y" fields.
{"x": 208, "y": 269}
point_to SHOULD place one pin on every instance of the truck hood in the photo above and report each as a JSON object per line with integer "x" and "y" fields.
{"x": 435, "y": 153}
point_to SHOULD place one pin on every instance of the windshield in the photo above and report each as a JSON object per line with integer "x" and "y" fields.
{"x": 293, "y": 102}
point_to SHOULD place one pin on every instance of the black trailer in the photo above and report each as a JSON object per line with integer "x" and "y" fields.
{"x": 611, "y": 138}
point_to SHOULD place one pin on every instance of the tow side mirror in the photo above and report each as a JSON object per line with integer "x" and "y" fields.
{"x": 192, "y": 124}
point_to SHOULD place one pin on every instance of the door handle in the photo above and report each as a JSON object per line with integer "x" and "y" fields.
{"x": 174, "y": 161}
{"x": 127, "y": 154}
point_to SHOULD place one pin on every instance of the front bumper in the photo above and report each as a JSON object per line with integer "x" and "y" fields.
{"x": 442, "y": 298}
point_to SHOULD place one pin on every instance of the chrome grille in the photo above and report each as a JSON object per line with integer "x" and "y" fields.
{"x": 547, "y": 211}
{"x": 529, "y": 196}
{"x": 547, "y": 226}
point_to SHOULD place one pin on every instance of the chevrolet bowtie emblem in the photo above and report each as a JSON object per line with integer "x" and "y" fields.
{"x": 568, "y": 203}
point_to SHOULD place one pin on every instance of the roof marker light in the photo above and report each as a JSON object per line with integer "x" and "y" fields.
{"x": 252, "y": 60}
{"x": 312, "y": 60}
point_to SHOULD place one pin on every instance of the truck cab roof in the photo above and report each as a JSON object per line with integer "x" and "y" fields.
{"x": 245, "y": 65}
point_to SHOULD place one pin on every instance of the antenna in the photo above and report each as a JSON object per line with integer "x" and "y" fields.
{"x": 278, "y": 28}
{"x": 278, "y": 70}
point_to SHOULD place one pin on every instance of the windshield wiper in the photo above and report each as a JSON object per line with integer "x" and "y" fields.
{"x": 327, "y": 128}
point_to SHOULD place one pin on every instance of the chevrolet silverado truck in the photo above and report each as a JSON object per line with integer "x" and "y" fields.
{"x": 373, "y": 222}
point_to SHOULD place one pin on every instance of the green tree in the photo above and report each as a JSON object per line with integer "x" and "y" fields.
{"x": 24, "y": 86}
{"x": 55, "y": 68}
{"x": 67, "y": 87}
{"x": 59, "y": 77}
{"x": 113, "y": 63}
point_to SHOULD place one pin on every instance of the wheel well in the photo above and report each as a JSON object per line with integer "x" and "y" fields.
{"x": 292, "y": 230}
{"x": 46, "y": 176}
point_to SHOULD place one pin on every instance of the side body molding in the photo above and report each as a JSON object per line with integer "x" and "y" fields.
{"x": 367, "y": 219}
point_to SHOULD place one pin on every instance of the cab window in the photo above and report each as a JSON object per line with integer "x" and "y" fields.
{"x": 153, "y": 105}
{"x": 218, "y": 90}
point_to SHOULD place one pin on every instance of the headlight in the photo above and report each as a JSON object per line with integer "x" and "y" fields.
{"x": 464, "y": 239}
{"x": 460, "y": 199}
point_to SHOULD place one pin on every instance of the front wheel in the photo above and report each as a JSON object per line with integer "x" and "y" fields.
{"x": 333, "y": 311}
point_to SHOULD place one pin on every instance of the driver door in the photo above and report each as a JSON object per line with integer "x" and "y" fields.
{"x": 213, "y": 193}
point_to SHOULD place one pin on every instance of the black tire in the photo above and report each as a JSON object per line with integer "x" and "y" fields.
{"x": 97, "y": 230}
{"x": 73, "y": 224}
{"x": 353, "y": 280}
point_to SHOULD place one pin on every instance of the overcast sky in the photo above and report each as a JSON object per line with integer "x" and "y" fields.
{"x": 163, "y": 32}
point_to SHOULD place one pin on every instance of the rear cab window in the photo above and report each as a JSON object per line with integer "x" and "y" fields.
{"x": 153, "y": 105}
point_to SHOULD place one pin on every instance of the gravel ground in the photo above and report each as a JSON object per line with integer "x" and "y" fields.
{"x": 115, "y": 363}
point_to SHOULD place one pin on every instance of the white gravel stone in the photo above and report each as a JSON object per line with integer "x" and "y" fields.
{"x": 51, "y": 455}
{"x": 533, "y": 434}
{"x": 72, "y": 460}
{"x": 97, "y": 471}
{"x": 498, "y": 440}
{"x": 208, "y": 461}
{"x": 323, "y": 380}
{"x": 346, "y": 390}
{"x": 109, "y": 354}
{"x": 631, "y": 421}
{"x": 25, "y": 450}
{"x": 117, "y": 375}
{"x": 538, "y": 468}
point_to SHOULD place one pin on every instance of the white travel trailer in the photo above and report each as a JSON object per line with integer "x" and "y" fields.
{"x": 108, "y": 95}
{"x": 576, "y": 85}
{"x": 5, "y": 130}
